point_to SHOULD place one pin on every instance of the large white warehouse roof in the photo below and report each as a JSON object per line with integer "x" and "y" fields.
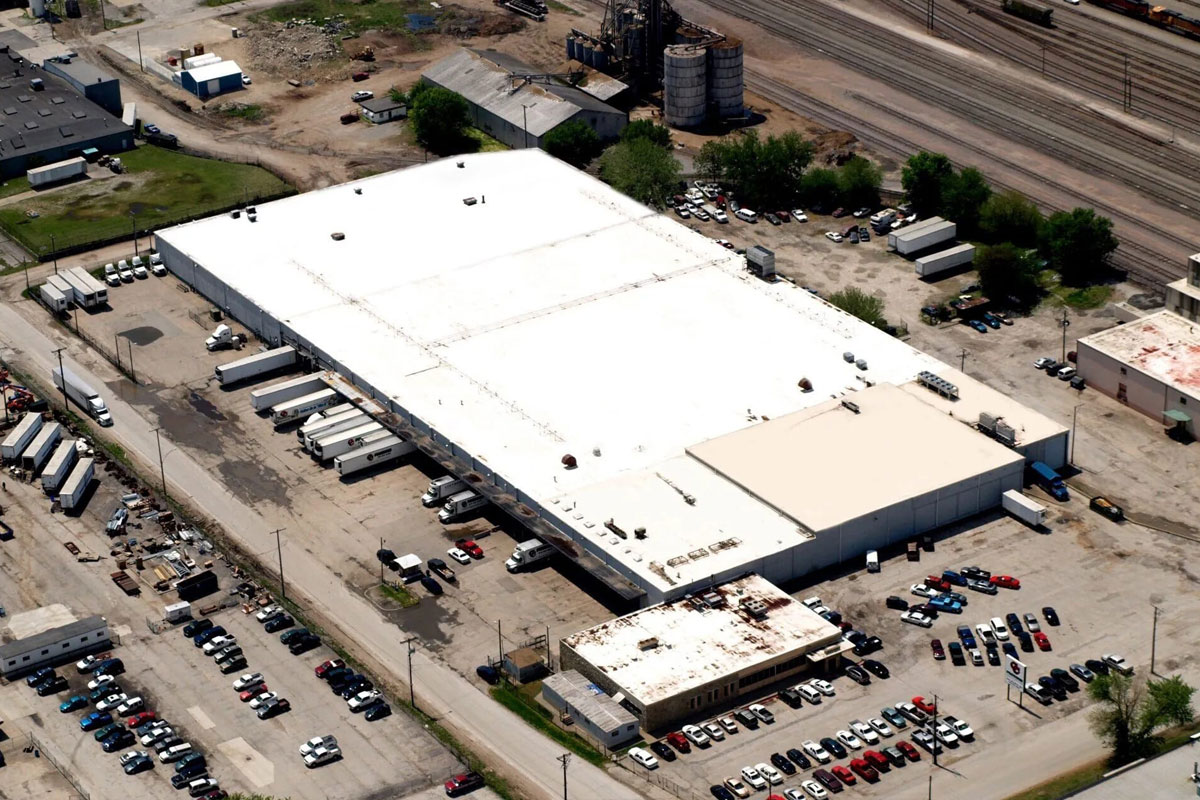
{"x": 526, "y": 311}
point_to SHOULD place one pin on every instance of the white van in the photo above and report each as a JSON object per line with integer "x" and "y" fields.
{"x": 872, "y": 561}
{"x": 746, "y": 215}
{"x": 808, "y": 693}
{"x": 174, "y": 753}
{"x": 999, "y": 629}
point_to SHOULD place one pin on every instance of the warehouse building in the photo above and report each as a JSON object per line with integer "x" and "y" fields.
{"x": 697, "y": 655}
{"x": 53, "y": 647}
{"x": 631, "y": 452}
{"x": 1151, "y": 364}
{"x": 101, "y": 88}
{"x": 511, "y": 102}
{"x": 1183, "y": 295}
{"x": 211, "y": 79}
{"x": 593, "y": 711}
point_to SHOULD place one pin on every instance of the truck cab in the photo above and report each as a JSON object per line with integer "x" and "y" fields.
{"x": 1049, "y": 480}
{"x": 526, "y": 554}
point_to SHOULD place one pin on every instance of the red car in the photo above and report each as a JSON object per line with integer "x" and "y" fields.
{"x": 909, "y": 751}
{"x": 928, "y": 708}
{"x": 138, "y": 719}
{"x": 864, "y": 769}
{"x": 470, "y": 547}
{"x": 939, "y": 653}
{"x": 783, "y": 216}
{"x": 679, "y": 742}
{"x": 936, "y": 582}
{"x": 332, "y": 664}
{"x": 461, "y": 784}
{"x": 877, "y": 760}
{"x": 252, "y": 692}
{"x": 1043, "y": 642}
{"x": 846, "y": 776}
{"x": 1005, "y": 582}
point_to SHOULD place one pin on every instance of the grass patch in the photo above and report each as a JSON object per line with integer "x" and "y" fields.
{"x": 358, "y": 16}
{"x": 484, "y": 142}
{"x": 1085, "y": 298}
{"x": 520, "y": 700}
{"x": 557, "y": 6}
{"x": 250, "y": 113}
{"x": 14, "y": 186}
{"x": 401, "y": 595}
{"x": 161, "y": 187}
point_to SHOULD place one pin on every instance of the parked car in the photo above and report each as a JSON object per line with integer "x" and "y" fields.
{"x": 1064, "y": 677}
{"x": 833, "y": 236}
{"x": 1050, "y": 615}
{"x": 278, "y": 623}
{"x": 760, "y": 711}
{"x": 857, "y": 674}
{"x": 1118, "y": 663}
{"x": 1083, "y": 673}
{"x": 1005, "y": 581}
{"x": 876, "y": 668}
{"x": 898, "y": 603}
{"x": 643, "y": 757}
{"x": 939, "y": 653}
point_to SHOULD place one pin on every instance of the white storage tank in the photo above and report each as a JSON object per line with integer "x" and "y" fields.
{"x": 685, "y": 88}
{"x": 725, "y": 81}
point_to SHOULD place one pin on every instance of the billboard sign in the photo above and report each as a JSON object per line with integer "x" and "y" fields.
{"x": 1015, "y": 674}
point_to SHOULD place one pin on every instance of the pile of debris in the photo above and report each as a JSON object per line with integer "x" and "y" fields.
{"x": 465, "y": 23}
{"x": 294, "y": 44}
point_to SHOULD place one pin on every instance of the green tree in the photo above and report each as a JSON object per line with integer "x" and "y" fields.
{"x": 573, "y": 142}
{"x": 855, "y": 301}
{"x": 924, "y": 179}
{"x": 764, "y": 173}
{"x": 1011, "y": 217}
{"x": 1006, "y": 270}
{"x": 439, "y": 119}
{"x": 1078, "y": 245}
{"x": 819, "y": 186}
{"x": 1129, "y": 713}
{"x": 642, "y": 170}
{"x": 858, "y": 183}
{"x": 963, "y": 197}
{"x": 647, "y": 129}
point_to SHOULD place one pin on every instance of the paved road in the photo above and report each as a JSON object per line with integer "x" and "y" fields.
{"x": 505, "y": 742}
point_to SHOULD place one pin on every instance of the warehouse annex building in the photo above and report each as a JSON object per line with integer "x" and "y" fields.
{"x": 614, "y": 380}
{"x": 687, "y": 657}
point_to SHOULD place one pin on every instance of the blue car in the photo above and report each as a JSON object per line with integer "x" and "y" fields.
{"x": 977, "y": 325}
{"x": 39, "y": 676}
{"x": 73, "y": 703}
{"x": 968, "y": 638}
{"x": 941, "y": 603}
{"x": 950, "y": 576}
{"x": 94, "y": 720}
{"x": 203, "y": 637}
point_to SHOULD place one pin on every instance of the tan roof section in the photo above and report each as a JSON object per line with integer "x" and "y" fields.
{"x": 827, "y": 465}
{"x": 1163, "y": 345}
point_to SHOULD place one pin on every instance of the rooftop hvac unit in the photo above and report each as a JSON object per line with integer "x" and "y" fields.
{"x": 1005, "y": 433}
{"x": 713, "y": 599}
{"x": 861, "y": 363}
{"x": 648, "y": 644}
{"x": 848, "y": 357}
{"x": 761, "y": 261}
{"x": 987, "y": 422}
{"x": 938, "y": 384}
{"x": 754, "y": 607}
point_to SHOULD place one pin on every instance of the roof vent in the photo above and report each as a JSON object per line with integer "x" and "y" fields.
{"x": 851, "y": 406}
{"x": 861, "y": 363}
{"x": 235, "y": 213}
{"x": 461, "y": 164}
{"x": 358, "y": 190}
{"x": 338, "y": 236}
{"x": 569, "y": 461}
{"x": 250, "y": 215}
{"x": 805, "y": 385}
{"x": 848, "y": 357}
{"x": 469, "y": 201}
{"x": 639, "y": 533}
{"x": 648, "y": 644}
{"x": 754, "y": 607}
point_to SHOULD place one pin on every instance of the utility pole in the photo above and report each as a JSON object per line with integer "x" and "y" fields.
{"x": 54, "y": 253}
{"x": 564, "y": 759}
{"x": 962, "y": 364}
{"x": 279, "y": 549}
{"x": 132, "y": 216}
{"x": 1153, "y": 640}
{"x": 380, "y": 562}
{"x": 936, "y": 745}
{"x": 499, "y": 646}
{"x": 1074, "y": 419}
{"x": 141, "y": 63}
{"x": 161, "y": 469}
{"x": 1064, "y": 323}
{"x": 929, "y": 17}
{"x": 412, "y": 692}
{"x": 1043, "y": 59}
{"x": 62, "y": 374}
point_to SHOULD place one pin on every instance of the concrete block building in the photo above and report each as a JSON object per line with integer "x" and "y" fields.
{"x": 53, "y": 647}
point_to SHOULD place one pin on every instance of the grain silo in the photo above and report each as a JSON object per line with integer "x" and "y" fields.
{"x": 685, "y": 86}
{"x": 725, "y": 80}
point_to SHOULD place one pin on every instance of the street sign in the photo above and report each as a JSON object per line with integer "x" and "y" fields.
{"x": 1015, "y": 674}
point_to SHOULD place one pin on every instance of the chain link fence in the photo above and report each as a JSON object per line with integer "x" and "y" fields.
{"x": 36, "y": 746}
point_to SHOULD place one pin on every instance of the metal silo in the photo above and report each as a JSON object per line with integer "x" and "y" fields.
{"x": 725, "y": 80}
{"x": 685, "y": 91}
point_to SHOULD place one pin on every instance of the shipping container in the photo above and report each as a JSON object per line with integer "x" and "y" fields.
{"x": 42, "y": 446}
{"x": 54, "y": 298}
{"x": 76, "y": 484}
{"x": 255, "y": 365}
{"x": 278, "y": 393}
{"x": 385, "y": 451}
{"x": 336, "y": 444}
{"x": 299, "y": 409}
{"x": 943, "y": 260}
{"x": 19, "y": 438}
{"x": 57, "y": 172}
{"x": 59, "y": 466}
{"x": 343, "y": 422}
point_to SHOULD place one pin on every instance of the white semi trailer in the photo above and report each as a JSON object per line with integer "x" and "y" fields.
{"x": 84, "y": 395}
{"x": 19, "y": 438}
{"x": 279, "y": 393}
{"x": 300, "y": 408}
{"x": 336, "y": 444}
{"x": 343, "y": 422}
{"x": 255, "y": 365}
{"x": 76, "y": 485}
{"x": 59, "y": 466}
{"x": 41, "y": 447}
{"x": 385, "y": 451}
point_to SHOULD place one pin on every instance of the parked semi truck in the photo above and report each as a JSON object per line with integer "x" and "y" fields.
{"x": 76, "y": 484}
{"x": 442, "y": 488}
{"x": 61, "y": 462}
{"x": 461, "y": 504}
{"x": 525, "y": 554}
{"x": 19, "y": 438}
{"x": 252, "y": 366}
{"x": 223, "y": 338}
{"x": 335, "y": 444}
{"x": 309, "y": 432}
{"x": 41, "y": 447}
{"x": 381, "y": 452}
{"x": 1049, "y": 480}
{"x": 300, "y": 408}
{"x": 280, "y": 393}
{"x": 84, "y": 395}
{"x": 1023, "y": 508}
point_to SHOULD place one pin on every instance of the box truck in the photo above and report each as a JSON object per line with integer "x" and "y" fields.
{"x": 76, "y": 484}
{"x": 342, "y": 422}
{"x": 336, "y": 444}
{"x": 84, "y": 395}
{"x": 255, "y": 365}
{"x": 441, "y": 488}
{"x": 384, "y": 451}
{"x": 19, "y": 438}
{"x": 177, "y": 612}
{"x": 54, "y": 298}
{"x": 1049, "y": 480}
{"x": 460, "y": 505}
{"x": 525, "y": 554}
{"x": 298, "y": 410}
{"x": 279, "y": 393}
{"x": 1023, "y": 508}
{"x": 41, "y": 447}
{"x": 59, "y": 467}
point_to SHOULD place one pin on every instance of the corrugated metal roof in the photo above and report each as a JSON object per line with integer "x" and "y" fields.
{"x": 589, "y": 700}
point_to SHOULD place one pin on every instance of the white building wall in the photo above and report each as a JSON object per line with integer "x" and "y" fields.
{"x": 1133, "y": 387}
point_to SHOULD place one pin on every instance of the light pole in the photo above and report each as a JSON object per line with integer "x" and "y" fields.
{"x": 1074, "y": 419}
{"x": 54, "y": 253}
{"x": 935, "y": 741}
{"x": 962, "y": 364}
{"x": 412, "y": 691}
{"x": 1064, "y": 323}
{"x": 564, "y": 759}
{"x": 162, "y": 470}
{"x": 279, "y": 549}
{"x": 133, "y": 228}
{"x": 62, "y": 376}
{"x": 1153, "y": 640}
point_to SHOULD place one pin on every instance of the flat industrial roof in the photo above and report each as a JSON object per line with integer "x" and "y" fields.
{"x": 220, "y": 69}
{"x": 661, "y": 651}
{"x": 51, "y": 637}
{"x": 556, "y": 316}
{"x": 1163, "y": 345}
{"x": 830, "y": 464}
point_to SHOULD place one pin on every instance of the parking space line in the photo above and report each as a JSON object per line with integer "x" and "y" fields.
{"x": 202, "y": 718}
{"x": 257, "y": 768}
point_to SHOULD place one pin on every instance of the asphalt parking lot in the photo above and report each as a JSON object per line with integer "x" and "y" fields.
{"x": 1068, "y": 567}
